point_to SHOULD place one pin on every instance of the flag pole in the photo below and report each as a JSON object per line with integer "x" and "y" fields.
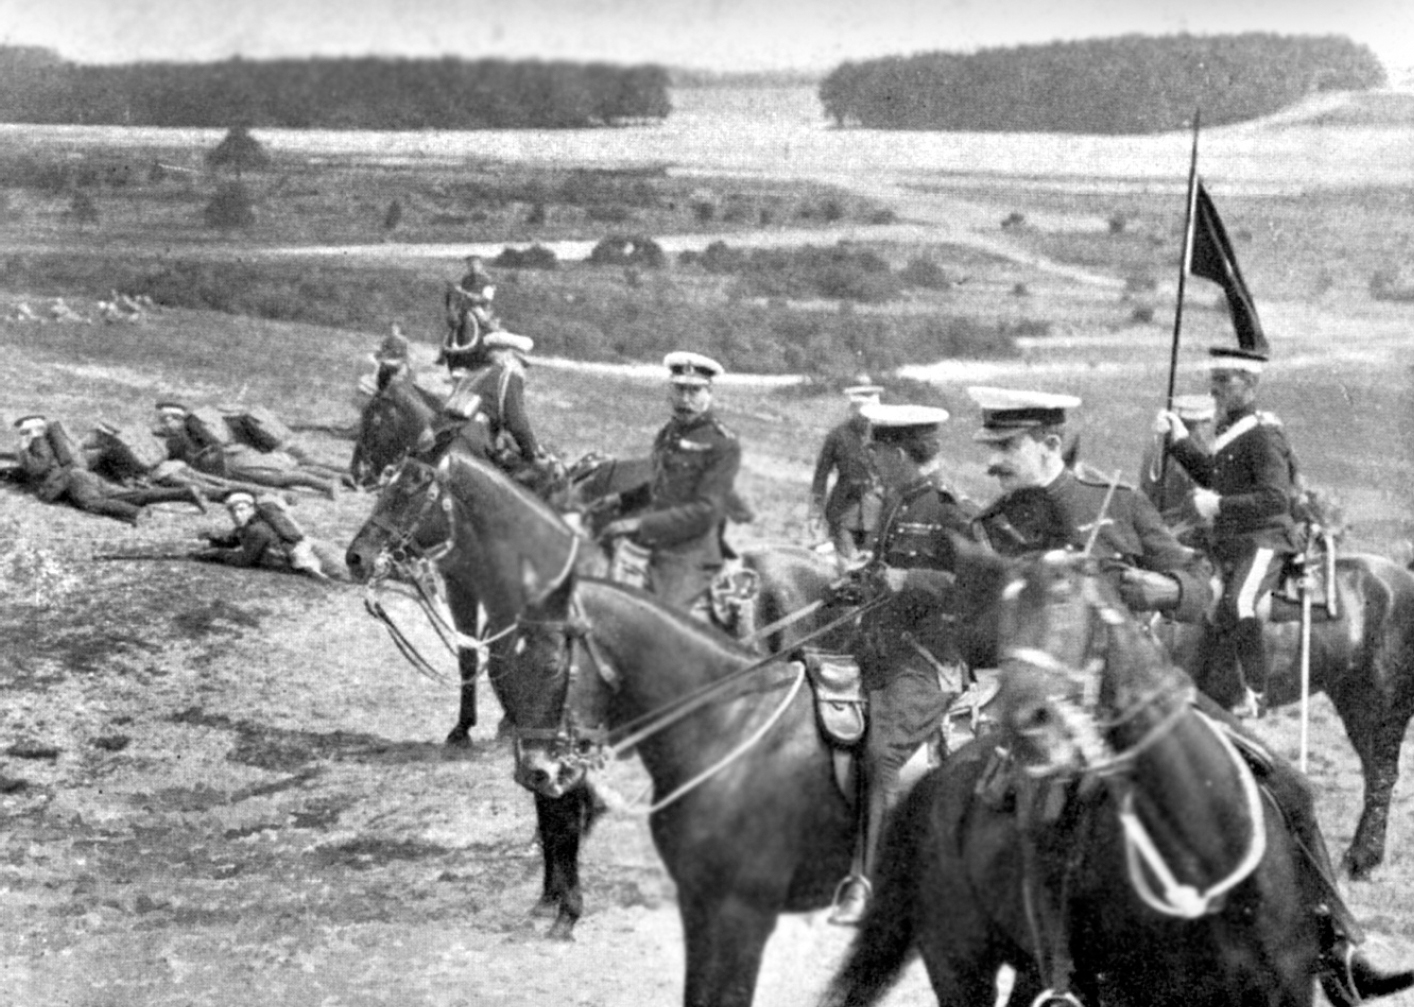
{"x": 1183, "y": 268}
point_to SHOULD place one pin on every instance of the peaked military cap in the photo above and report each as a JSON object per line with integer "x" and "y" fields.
{"x": 1195, "y": 408}
{"x": 1234, "y": 358}
{"x": 688, "y": 368}
{"x": 900, "y": 422}
{"x": 34, "y": 423}
{"x": 1008, "y": 411}
{"x": 863, "y": 390}
{"x": 240, "y": 497}
{"x": 172, "y": 408}
{"x": 508, "y": 341}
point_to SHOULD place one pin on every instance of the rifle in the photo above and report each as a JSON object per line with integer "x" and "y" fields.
{"x": 139, "y": 557}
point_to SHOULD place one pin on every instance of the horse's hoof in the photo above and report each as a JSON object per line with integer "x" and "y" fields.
{"x": 1360, "y": 863}
{"x": 563, "y": 930}
{"x": 545, "y": 908}
{"x": 459, "y": 738}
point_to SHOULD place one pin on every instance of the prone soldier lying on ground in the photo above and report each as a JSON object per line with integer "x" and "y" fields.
{"x": 56, "y": 468}
{"x": 203, "y": 439}
{"x": 264, "y": 535}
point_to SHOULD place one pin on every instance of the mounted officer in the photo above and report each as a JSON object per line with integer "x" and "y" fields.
{"x": 1046, "y": 505}
{"x": 1025, "y": 432}
{"x": 468, "y": 309}
{"x": 1245, "y": 494}
{"x": 908, "y": 658}
{"x": 485, "y": 414}
{"x": 695, "y": 463}
{"x": 1171, "y": 490}
{"x": 850, "y": 510}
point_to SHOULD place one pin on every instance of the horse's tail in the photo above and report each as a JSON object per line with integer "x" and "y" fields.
{"x": 885, "y": 941}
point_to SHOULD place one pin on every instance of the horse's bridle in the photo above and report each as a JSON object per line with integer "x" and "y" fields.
{"x": 1082, "y": 718}
{"x": 581, "y": 738}
{"x": 402, "y": 547}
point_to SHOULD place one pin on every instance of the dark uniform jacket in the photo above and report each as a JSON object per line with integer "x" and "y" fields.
{"x": 264, "y": 540}
{"x": 845, "y": 452}
{"x": 1131, "y": 532}
{"x": 695, "y": 463}
{"x": 1250, "y": 468}
{"x": 494, "y": 396}
{"x": 914, "y": 535}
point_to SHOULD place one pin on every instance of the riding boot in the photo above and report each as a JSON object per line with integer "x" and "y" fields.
{"x": 1251, "y": 647}
{"x": 852, "y": 897}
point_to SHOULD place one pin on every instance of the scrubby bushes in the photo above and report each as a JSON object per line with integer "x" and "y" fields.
{"x": 231, "y": 207}
{"x": 534, "y": 257}
{"x": 636, "y": 250}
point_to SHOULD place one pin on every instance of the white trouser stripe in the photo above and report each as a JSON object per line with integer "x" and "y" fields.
{"x": 1247, "y": 594}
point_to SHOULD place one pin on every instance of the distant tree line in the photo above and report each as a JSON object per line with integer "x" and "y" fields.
{"x": 1130, "y": 84}
{"x": 36, "y": 86}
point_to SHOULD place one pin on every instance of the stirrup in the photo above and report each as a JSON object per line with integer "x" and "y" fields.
{"x": 837, "y": 905}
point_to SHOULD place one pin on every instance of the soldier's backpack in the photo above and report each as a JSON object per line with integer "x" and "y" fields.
{"x": 208, "y": 427}
{"x": 65, "y": 448}
{"x": 259, "y": 428}
{"x": 129, "y": 451}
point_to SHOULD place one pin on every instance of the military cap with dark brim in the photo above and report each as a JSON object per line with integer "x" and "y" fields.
{"x": 1007, "y": 412}
{"x": 1233, "y": 358}
{"x": 32, "y": 420}
{"x": 239, "y": 497}
{"x": 688, "y": 368}
{"x": 172, "y": 406}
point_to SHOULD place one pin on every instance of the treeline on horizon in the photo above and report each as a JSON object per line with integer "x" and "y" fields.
{"x": 1130, "y": 84}
{"x": 37, "y": 86}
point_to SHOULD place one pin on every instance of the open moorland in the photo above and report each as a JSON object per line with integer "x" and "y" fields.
{"x": 225, "y": 787}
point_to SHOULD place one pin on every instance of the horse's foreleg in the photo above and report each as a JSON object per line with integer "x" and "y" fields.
{"x": 1377, "y": 735}
{"x": 466, "y": 708}
{"x": 562, "y": 822}
{"x": 725, "y": 941}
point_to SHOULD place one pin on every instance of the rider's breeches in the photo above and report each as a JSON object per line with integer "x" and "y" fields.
{"x": 1247, "y": 581}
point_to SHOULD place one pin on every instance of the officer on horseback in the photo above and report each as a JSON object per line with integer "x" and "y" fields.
{"x": 1025, "y": 431}
{"x": 905, "y": 655}
{"x": 1046, "y": 504}
{"x": 850, "y": 509}
{"x": 695, "y": 462}
{"x": 1245, "y": 493}
{"x": 468, "y": 308}
{"x": 485, "y": 414}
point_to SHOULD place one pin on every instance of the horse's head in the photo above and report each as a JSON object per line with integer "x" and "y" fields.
{"x": 390, "y": 426}
{"x": 1083, "y": 689}
{"x": 411, "y": 521}
{"x": 552, "y": 687}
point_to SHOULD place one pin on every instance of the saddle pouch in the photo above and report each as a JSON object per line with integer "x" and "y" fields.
{"x": 1317, "y": 567}
{"x": 630, "y": 564}
{"x": 839, "y": 695}
{"x": 733, "y": 595}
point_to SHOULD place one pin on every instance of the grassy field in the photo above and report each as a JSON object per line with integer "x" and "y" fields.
{"x": 279, "y": 818}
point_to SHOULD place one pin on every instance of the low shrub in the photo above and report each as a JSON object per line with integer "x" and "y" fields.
{"x": 925, "y": 273}
{"x": 635, "y": 250}
{"x": 534, "y": 257}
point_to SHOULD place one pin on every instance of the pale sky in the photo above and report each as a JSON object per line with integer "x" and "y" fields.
{"x": 706, "y": 34}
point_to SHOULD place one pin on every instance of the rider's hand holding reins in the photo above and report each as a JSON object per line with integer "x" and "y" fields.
{"x": 621, "y": 528}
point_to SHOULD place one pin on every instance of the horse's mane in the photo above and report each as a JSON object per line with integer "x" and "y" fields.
{"x": 711, "y": 638}
{"x": 463, "y": 468}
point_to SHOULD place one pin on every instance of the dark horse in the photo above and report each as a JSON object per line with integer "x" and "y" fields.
{"x": 1363, "y": 660}
{"x": 1123, "y": 853}
{"x": 481, "y": 527}
{"x": 746, "y": 817}
{"x": 389, "y": 427}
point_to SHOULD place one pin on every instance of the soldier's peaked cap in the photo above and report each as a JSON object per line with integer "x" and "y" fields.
{"x": 34, "y": 421}
{"x": 240, "y": 497}
{"x": 1007, "y": 411}
{"x": 897, "y": 422}
{"x": 1234, "y": 358}
{"x": 172, "y": 406}
{"x": 1195, "y": 408}
{"x": 863, "y": 390}
{"x": 688, "y": 368}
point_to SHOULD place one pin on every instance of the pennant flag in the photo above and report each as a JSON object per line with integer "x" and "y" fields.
{"x": 1211, "y": 257}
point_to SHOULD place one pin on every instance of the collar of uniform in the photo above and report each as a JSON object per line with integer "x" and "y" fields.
{"x": 684, "y": 424}
{"x": 1236, "y": 416}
